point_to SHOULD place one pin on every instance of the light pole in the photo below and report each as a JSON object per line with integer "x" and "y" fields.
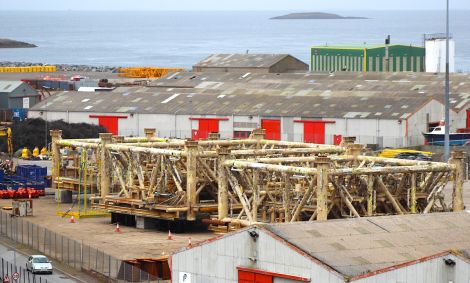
{"x": 447, "y": 89}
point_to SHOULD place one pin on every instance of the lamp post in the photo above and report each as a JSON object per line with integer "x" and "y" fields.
{"x": 447, "y": 89}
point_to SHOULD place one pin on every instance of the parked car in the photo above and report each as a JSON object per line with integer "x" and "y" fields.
{"x": 39, "y": 264}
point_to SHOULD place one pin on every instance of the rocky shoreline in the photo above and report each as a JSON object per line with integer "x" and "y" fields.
{"x": 64, "y": 67}
{"x": 8, "y": 43}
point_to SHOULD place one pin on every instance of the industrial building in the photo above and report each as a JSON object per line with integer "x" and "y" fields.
{"x": 406, "y": 248}
{"x": 435, "y": 45}
{"x": 380, "y": 58}
{"x": 385, "y": 109}
{"x": 259, "y": 63}
{"x": 17, "y": 94}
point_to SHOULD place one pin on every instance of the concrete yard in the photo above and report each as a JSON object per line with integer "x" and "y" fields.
{"x": 100, "y": 233}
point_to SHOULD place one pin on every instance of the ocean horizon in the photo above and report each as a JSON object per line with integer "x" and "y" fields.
{"x": 182, "y": 38}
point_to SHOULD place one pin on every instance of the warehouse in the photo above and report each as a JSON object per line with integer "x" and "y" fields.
{"x": 17, "y": 94}
{"x": 380, "y": 58}
{"x": 382, "y": 109}
{"x": 259, "y": 63}
{"x": 405, "y": 248}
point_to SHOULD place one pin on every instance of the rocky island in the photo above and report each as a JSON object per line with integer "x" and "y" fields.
{"x": 314, "y": 16}
{"x": 8, "y": 43}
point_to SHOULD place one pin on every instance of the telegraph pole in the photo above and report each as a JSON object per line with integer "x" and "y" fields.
{"x": 447, "y": 89}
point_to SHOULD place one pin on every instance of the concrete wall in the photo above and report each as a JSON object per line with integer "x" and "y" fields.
{"x": 431, "y": 271}
{"x": 217, "y": 261}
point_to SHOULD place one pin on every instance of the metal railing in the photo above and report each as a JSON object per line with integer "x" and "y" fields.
{"x": 74, "y": 254}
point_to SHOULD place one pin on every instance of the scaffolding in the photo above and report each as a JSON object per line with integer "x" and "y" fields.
{"x": 235, "y": 183}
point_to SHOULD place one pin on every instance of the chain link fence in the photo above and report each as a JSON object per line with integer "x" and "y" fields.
{"x": 72, "y": 253}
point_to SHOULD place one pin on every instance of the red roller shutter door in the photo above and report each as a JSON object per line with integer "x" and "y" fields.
{"x": 468, "y": 118}
{"x": 250, "y": 277}
{"x": 111, "y": 123}
{"x": 314, "y": 132}
{"x": 272, "y": 128}
{"x": 205, "y": 127}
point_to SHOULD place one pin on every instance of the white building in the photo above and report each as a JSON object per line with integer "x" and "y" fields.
{"x": 431, "y": 248}
{"x": 435, "y": 45}
{"x": 385, "y": 109}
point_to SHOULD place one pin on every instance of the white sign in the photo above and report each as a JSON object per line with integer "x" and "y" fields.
{"x": 15, "y": 276}
{"x": 185, "y": 277}
{"x": 26, "y": 102}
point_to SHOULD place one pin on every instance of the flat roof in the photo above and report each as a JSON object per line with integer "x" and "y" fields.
{"x": 358, "y": 246}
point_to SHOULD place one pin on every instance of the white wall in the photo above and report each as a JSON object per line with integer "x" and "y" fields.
{"x": 368, "y": 131}
{"x": 417, "y": 122}
{"x": 436, "y": 56}
{"x": 217, "y": 261}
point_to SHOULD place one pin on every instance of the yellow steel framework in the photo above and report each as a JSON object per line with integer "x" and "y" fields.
{"x": 146, "y": 72}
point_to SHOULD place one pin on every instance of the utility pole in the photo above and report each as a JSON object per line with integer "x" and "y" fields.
{"x": 447, "y": 89}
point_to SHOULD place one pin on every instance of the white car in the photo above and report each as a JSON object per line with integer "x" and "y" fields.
{"x": 39, "y": 264}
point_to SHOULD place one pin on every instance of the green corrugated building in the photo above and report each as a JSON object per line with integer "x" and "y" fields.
{"x": 401, "y": 58}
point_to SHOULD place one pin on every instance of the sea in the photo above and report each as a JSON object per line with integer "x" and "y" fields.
{"x": 182, "y": 38}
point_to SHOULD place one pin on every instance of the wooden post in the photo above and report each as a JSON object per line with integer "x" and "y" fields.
{"x": 413, "y": 193}
{"x": 322, "y": 163}
{"x": 345, "y": 141}
{"x": 370, "y": 195}
{"x": 56, "y": 136}
{"x": 150, "y": 133}
{"x": 191, "y": 178}
{"x": 286, "y": 197}
{"x": 457, "y": 159}
{"x": 256, "y": 190}
{"x": 105, "y": 166}
{"x": 222, "y": 182}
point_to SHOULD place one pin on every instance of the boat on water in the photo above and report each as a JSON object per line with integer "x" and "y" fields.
{"x": 436, "y": 137}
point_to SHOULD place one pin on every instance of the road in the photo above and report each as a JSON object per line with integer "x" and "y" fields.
{"x": 8, "y": 255}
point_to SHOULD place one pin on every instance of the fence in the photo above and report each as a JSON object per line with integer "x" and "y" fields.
{"x": 73, "y": 253}
{"x": 8, "y": 269}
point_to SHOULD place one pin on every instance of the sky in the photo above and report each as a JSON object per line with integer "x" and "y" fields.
{"x": 286, "y": 5}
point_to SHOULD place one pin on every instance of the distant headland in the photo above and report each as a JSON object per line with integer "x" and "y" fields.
{"x": 314, "y": 16}
{"x": 8, "y": 43}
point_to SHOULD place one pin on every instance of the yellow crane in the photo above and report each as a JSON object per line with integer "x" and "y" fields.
{"x": 6, "y": 132}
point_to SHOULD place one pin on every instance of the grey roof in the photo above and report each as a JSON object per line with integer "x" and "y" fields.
{"x": 9, "y": 86}
{"x": 313, "y": 104}
{"x": 241, "y": 60}
{"x": 358, "y": 246}
{"x": 308, "y": 95}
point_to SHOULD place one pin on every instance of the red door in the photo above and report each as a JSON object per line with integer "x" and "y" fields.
{"x": 314, "y": 132}
{"x": 468, "y": 118}
{"x": 272, "y": 128}
{"x": 250, "y": 277}
{"x": 206, "y": 126}
{"x": 110, "y": 123}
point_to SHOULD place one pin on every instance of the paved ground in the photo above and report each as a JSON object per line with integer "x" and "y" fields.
{"x": 100, "y": 233}
{"x": 7, "y": 254}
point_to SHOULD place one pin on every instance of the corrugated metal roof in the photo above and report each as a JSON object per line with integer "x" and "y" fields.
{"x": 358, "y": 246}
{"x": 237, "y": 102}
{"x": 9, "y": 86}
{"x": 241, "y": 60}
